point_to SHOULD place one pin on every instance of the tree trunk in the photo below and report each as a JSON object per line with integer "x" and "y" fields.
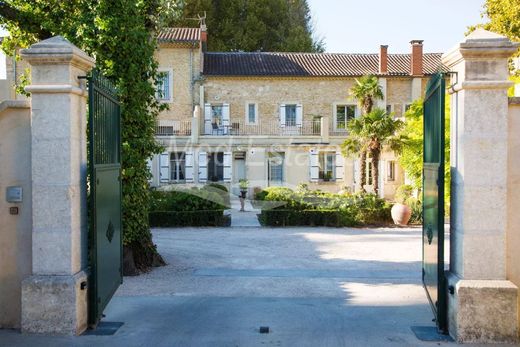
{"x": 363, "y": 170}
{"x": 375, "y": 154}
{"x": 139, "y": 257}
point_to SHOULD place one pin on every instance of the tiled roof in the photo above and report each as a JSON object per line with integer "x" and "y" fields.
{"x": 179, "y": 35}
{"x": 311, "y": 64}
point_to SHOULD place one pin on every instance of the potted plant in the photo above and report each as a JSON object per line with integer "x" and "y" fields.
{"x": 243, "y": 185}
{"x": 401, "y": 212}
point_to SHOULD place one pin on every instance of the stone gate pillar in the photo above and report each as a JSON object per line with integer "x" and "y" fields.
{"x": 54, "y": 298}
{"x": 482, "y": 303}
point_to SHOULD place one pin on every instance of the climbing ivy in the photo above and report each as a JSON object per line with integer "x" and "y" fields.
{"x": 120, "y": 36}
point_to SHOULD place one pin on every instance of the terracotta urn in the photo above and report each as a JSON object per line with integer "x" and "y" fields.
{"x": 401, "y": 214}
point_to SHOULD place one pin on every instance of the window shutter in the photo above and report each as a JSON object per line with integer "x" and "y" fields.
{"x": 189, "y": 167}
{"x": 228, "y": 156}
{"x": 314, "y": 165}
{"x": 340, "y": 163}
{"x": 282, "y": 115}
{"x": 164, "y": 167}
{"x": 166, "y": 85}
{"x": 207, "y": 119}
{"x": 203, "y": 167}
{"x": 299, "y": 115}
{"x": 225, "y": 117}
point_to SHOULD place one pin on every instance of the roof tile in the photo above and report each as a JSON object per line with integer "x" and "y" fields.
{"x": 311, "y": 64}
{"x": 179, "y": 35}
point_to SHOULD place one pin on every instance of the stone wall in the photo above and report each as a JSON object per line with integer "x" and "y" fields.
{"x": 185, "y": 94}
{"x": 513, "y": 191}
{"x": 15, "y": 229}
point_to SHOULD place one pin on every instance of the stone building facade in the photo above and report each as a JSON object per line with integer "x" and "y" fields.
{"x": 273, "y": 118}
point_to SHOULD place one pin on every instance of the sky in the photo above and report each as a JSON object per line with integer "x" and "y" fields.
{"x": 361, "y": 26}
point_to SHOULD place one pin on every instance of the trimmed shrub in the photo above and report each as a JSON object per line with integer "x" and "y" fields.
{"x": 215, "y": 218}
{"x": 221, "y": 190}
{"x": 187, "y": 200}
{"x": 349, "y": 209}
{"x": 217, "y": 186}
{"x": 330, "y": 218}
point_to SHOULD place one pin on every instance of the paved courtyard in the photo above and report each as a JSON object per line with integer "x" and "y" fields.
{"x": 311, "y": 286}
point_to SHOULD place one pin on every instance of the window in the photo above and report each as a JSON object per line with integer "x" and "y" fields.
{"x": 407, "y": 107}
{"x": 216, "y": 167}
{"x": 177, "y": 167}
{"x": 275, "y": 168}
{"x": 344, "y": 113}
{"x": 164, "y": 86}
{"x": 327, "y": 162}
{"x": 251, "y": 112}
{"x": 388, "y": 109}
{"x": 290, "y": 115}
{"x": 391, "y": 171}
{"x": 216, "y": 114}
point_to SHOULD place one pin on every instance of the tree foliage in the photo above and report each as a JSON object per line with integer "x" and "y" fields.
{"x": 504, "y": 18}
{"x": 120, "y": 35}
{"x": 372, "y": 132}
{"x": 411, "y": 158}
{"x": 252, "y": 25}
{"x": 366, "y": 91}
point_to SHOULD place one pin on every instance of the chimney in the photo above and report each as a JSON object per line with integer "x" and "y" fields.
{"x": 383, "y": 59}
{"x": 203, "y": 38}
{"x": 416, "y": 62}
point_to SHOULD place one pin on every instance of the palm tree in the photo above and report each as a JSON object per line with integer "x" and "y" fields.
{"x": 370, "y": 133}
{"x": 366, "y": 91}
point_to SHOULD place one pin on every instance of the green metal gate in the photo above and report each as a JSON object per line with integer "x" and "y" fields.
{"x": 433, "y": 199}
{"x": 105, "y": 236}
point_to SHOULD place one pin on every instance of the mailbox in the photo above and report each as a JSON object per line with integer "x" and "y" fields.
{"x": 14, "y": 194}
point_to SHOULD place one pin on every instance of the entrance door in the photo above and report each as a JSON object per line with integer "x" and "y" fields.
{"x": 239, "y": 170}
{"x": 105, "y": 238}
{"x": 433, "y": 200}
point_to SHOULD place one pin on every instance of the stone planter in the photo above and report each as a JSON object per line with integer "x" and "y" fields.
{"x": 401, "y": 214}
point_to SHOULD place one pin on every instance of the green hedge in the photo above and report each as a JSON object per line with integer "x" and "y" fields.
{"x": 193, "y": 199}
{"x": 330, "y": 218}
{"x": 215, "y": 218}
{"x": 314, "y": 207}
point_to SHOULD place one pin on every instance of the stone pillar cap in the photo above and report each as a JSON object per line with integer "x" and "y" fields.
{"x": 481, "y": 43}
{"x": 57, "y": 50}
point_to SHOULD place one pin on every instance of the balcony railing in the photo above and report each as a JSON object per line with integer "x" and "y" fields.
{"x": 338, "y": 129}
{"x": 173, "y": 127}
{"x": 266, "y": 128}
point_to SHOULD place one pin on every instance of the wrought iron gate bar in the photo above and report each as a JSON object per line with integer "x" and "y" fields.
{"x": 105, "y": 238}
{"x": 433, "y": 199}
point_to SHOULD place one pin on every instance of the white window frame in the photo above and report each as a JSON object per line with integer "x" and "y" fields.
{"x": 298, "y": 104}
{"x": 326, "y": 154}
{"x": 335, "y": 113}
{"x": 247, "y": 112}
{"x": 391, "y": 172}
{"x": 179, "y": 163}
{"x": 169, "y": 99}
